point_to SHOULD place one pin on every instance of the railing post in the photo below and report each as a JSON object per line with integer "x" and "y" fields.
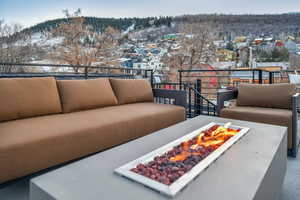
{"x": 195, "y": 106}
{"x": 86, "y": 72}
{"x": 198, "y": 99}
{"x": 190, "y": 102}
{"x": 180, "y": 80}
{"x": 152, "y": 84}
{"x": 270, "y": 77}
{"x": 260, "y": 77}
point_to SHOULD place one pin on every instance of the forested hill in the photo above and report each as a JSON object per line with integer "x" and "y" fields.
{"x": 99, "y": 24}
{"x": 290, "y": 18}
{"x": 250, "y": 25}
{"x": 229, "y": 25}
{"x": 239, "y": 24}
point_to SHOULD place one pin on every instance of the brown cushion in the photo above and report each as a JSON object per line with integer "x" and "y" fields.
{"x": 266, "y": 95}
{"x": 280, "y": 117}
{"x": 132, "y": 90}
{"x": 79, "y": 95}
{"x": 37, "y": 143}
{"x": 28, "y": 97}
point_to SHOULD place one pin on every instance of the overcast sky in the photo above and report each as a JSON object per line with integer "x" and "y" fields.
{"x": 30, "y": 12}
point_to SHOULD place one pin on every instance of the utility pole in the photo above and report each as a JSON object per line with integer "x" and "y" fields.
{"x": 250, "y": 57}
{"x": 237, "y": 58}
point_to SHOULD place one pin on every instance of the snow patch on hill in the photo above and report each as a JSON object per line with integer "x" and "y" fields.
{"x": 40, "y": 40}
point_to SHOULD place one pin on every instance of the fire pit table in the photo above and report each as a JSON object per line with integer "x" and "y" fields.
{"x": 252, "y": 168}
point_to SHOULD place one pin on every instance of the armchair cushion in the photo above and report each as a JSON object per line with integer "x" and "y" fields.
{"x": 266, "y": 95}
{"x": 280, "y": 117}
{"x": 132, "y": 90}
{"x": 79, "y": 95}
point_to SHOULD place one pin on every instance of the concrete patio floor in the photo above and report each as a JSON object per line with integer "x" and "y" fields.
{"x": 291, "y": 186}
{"x": 19, "y": 190}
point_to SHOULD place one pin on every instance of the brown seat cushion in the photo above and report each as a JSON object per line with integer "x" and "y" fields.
{"x": 79, "y": 95}
{"x": 29, "y": 145}
{"x": 132, "y": 90}
{"x": 280, "y": 117}
{"x": 28, "y": 97}
{"x": 266, "y": 95}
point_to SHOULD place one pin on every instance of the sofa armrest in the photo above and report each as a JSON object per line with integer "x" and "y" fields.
{"x": 225, "y": 95}
{"x": 176, "y": 97}
{"x": 295, "y": 103}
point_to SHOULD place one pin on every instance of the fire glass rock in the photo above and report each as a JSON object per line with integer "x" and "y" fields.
{"x": 173, "y": 164}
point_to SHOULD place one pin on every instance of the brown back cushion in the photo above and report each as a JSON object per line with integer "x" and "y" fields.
{"x": 265, "y": 95}
{"x": 79, "y": 95}
{"x": 28, "y": 97}
{"x": 132, "y": 90}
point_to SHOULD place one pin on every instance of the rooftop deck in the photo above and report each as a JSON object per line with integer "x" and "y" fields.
{"x": 201, "y": 87}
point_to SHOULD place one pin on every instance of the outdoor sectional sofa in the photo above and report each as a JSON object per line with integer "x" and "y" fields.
{"x": 45, "y": 122}
{"x": 265, "y": 103}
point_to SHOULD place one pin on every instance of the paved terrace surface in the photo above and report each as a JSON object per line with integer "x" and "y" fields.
{"x": 19, "y": 190}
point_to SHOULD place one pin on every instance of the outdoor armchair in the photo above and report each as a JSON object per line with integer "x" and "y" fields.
{"x": 272, "y": 104}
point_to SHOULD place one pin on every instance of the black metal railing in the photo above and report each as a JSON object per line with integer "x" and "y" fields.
{"x": 213, "y": 80}
{"x": 196, "y": 103}
{"x": 12, "y": 70}
{"x": 282, "y": 76}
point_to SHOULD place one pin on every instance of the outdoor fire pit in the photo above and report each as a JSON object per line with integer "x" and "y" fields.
{"x": 171, "y": 167}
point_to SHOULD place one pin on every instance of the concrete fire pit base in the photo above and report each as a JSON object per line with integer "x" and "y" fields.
{"x": 253, "y": 168}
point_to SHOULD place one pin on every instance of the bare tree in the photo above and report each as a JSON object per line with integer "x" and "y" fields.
{"x": 195, "y": 47}
{"x": 294, "y": 60}
{"x": 77, "y": 13}
{"x": 81, "y": 45}
{"x": 15, "y": 47}
{"x": 197, "y": 43}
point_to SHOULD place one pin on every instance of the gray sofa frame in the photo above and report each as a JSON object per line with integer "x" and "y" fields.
{"x": 226, "y": 95}
{"x": 175, "y": 97}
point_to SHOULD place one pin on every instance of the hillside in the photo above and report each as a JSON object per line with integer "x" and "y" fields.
{"x": 99, "y": 24}
{"x": 250, "y": 25}
{"x": 228, "y": 25}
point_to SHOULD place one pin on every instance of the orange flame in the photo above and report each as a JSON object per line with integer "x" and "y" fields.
{"x": 211, "y": 139}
